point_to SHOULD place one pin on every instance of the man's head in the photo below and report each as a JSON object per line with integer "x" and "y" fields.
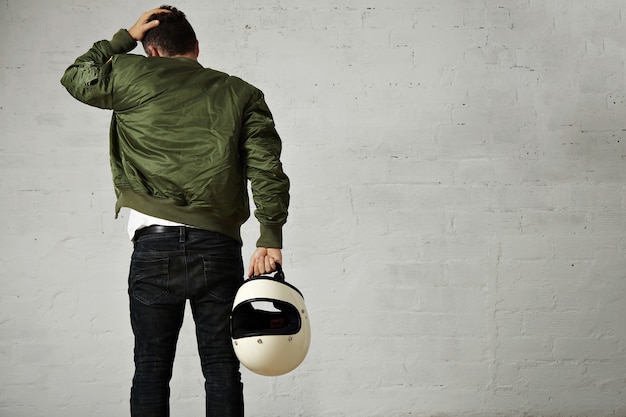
{"x": 174, "y": 36}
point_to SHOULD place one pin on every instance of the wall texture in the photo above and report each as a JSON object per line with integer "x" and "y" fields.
{"x": 458, "y": 214}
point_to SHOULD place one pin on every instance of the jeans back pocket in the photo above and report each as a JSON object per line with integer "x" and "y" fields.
{"x": 149, "y": 279}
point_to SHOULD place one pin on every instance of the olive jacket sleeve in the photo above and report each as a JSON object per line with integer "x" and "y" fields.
{"x": 270, "y": 186}
{"x": 88, "y": 78}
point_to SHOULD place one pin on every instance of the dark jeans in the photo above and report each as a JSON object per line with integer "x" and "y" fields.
{"x": 166, "y": 270}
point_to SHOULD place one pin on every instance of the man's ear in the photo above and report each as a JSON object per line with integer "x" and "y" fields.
{"x": 197, "y": 49}
{"x": 152, "y": 51}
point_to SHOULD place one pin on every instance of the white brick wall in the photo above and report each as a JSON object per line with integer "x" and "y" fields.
{"x": 457, "y": 224}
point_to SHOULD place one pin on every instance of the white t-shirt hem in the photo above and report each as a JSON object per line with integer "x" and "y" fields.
{"x": 138, "y": 220}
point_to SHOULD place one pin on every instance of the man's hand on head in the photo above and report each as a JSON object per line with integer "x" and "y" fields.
{"x": 142, "y": 25}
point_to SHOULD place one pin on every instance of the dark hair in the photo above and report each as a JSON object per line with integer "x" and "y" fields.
{"x": 173, "y": 36}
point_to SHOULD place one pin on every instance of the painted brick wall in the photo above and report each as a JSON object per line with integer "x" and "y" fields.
{"x": 457, "y": 224}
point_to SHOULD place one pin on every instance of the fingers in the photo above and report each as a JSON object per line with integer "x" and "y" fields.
{"x": 251, "y": 270}
{"x": 263, "y": 261}
{"x": 146, "y": 15}
{"x": 151, "y": 24}
{"x": 261, "y": 265}
{"x": 258, "y": 255}
{"x": 270, "y": 264}
{"x": 139, "y": 29}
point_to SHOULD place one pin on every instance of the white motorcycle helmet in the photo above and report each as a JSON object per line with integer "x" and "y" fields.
{"x": 269, "y": 325}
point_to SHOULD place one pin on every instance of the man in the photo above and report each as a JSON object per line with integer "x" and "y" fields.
{"x": 184, "y": 141}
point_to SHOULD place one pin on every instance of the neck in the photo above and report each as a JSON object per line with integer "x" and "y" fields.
{"x": 154, "y": 51}
{"x": 187, "y": 55}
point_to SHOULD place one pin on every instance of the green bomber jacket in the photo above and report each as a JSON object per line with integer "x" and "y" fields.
{"x": 185, "y": 140}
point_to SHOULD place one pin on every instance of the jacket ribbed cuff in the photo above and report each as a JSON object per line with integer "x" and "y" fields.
{"x": 271, "y": 237}
{"x": 122, "y": 42}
